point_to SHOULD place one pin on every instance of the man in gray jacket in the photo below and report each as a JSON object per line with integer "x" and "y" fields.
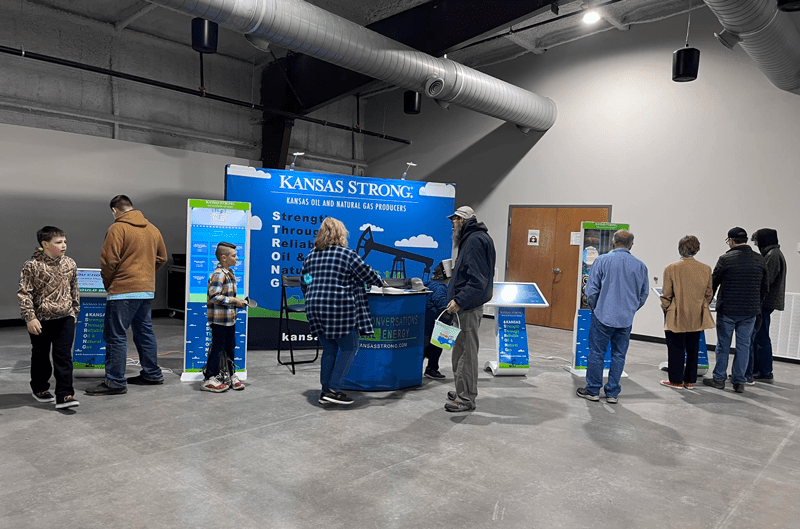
{"x": 760, "y": 365}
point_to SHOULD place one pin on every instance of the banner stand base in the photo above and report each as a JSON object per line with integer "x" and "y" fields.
{"x": 198, "y": 377}
{"x": 582, "y": 373}
{"x": 496, "y": 370}
{"x": 89, "y": 373}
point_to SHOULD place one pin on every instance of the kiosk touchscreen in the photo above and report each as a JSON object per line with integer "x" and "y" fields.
{"x": 89, "y": 348}
{"x": 511, "y": 334}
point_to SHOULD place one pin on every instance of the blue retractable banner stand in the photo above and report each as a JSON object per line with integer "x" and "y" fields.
{"x": 399, "y": 227}
{"x": 89, "y": 348}
{"x": 210, "y": 222}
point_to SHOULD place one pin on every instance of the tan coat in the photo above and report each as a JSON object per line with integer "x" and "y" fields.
{"x": 132, "y": 252}
{"x": 686, "y": 295}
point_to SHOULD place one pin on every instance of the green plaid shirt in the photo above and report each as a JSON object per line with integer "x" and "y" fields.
{"x": 221, "y": 293}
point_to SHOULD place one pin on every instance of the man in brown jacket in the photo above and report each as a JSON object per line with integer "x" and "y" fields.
{"x": 132, "y": 252}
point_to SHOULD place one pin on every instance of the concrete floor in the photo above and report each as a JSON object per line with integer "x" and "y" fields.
{"x": 531, "y": 455}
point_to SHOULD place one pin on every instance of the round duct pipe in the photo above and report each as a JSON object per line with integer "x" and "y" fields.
{"x": 204, "y": 35}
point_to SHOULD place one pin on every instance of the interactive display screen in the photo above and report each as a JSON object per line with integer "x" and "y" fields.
{"x": 518, "y": 295}
{"x": 90, "y": 282}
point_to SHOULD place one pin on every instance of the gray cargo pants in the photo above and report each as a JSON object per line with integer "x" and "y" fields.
{"x": 465, "y": 355}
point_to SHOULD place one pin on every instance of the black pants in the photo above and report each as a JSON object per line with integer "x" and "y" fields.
{"x": 432, "y": 353}
{"x": 680, "y": 346}
{"x": 223, "y": 339}
{"x": 58, "y": 335}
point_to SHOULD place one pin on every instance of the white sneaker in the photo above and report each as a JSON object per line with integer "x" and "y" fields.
{"x": 214, "y": 385}
{"x": 236, "y": 384}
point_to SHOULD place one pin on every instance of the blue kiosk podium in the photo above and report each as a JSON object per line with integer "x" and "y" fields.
{"x": 511, "y": 334}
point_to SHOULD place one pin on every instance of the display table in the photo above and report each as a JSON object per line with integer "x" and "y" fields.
{"x": 510, "y": 331}
{"x": 392, "y": 357}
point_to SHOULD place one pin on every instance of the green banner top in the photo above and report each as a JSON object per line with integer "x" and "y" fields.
{"x": 218, "y": 204}
{"x": 604, "y": 226}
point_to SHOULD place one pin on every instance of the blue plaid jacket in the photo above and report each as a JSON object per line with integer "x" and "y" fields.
{"x": 336, "y": 299}
{"x": 221, "y": 291}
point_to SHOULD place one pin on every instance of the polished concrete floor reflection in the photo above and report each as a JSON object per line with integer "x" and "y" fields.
{"x": 532, "y": 455}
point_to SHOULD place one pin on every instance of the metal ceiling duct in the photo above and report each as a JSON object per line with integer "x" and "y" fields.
{"x": 767, "y": 35}
{"x": 305, "y": 28}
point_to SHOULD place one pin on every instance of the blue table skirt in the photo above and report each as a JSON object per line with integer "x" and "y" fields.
{"x": 392, "y": 357}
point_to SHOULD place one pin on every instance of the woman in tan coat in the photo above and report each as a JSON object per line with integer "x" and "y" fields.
{"x": 685, "y": 298}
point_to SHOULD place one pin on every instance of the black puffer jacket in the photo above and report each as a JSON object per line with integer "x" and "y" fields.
{"x": 741, "y": 277}
{"x": 767, "y": 240}
{"x": 473, "y": 272}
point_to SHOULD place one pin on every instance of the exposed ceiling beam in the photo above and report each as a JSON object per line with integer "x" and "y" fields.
{"x": 122, "y": 24}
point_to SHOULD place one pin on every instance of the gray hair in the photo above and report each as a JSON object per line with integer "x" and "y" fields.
{"x": 623, "y": 238}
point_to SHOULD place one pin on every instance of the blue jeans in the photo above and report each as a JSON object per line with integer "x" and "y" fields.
{"x": 726, "y": 325}
{"x": 337, "y": 357}
{"x": 762, "y": 361}
{"x": 121, "y": 314}
{"x": 599, "y": 337}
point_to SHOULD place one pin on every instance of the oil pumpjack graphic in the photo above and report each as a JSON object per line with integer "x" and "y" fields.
{"x": 367, "y": 244}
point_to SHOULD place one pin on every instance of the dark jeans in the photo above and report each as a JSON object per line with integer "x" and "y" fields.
{"x": 120, "y": 315}
{"x": 59, "y": 335}
{"x": 761, "y": 351}
{"x": 337, "y": 357}
{"x": 599, "y": 337}
{"x": 223, "y": 339}
{"x": 432, "y": 353}
{"x": 682, "y": 346}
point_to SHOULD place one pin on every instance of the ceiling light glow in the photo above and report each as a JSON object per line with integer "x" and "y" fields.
{"x": 591, "y": 17}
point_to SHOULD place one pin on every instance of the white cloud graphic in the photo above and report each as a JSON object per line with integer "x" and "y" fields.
{"x": 434, "y": 189}
{"x": 418, "y": 241}
{"x": 243, "y": 170}
{"x": 372, "y": 226}
{"x": 255, "y": 223}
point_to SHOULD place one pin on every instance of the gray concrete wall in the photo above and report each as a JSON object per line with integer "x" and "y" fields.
{"x": 55, "y": 97}
{"x": 66, "y": 180}
{"x": 671, "y": 158}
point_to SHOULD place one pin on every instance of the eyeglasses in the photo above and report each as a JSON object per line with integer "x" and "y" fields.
{"x": 727, "y": 240}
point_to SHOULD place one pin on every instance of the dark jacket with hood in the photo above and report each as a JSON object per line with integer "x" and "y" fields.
{"x": 767, "y": 240}
{"x": 473, "y": 272}
{"x": 741, "y": 277}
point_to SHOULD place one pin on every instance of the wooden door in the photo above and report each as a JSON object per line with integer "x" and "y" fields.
{"x": 553, "y": 264}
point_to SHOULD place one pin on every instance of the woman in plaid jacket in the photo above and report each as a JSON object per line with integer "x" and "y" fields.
{"x": 333, "y": 284}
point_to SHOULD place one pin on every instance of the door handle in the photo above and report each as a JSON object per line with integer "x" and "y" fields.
{"x": 556, "y": 271}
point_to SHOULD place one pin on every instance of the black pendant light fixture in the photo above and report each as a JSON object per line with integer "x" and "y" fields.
{"x": 412, "y": 101}
{"x": 686, "y": 61}
{"x": 789, "y": 5}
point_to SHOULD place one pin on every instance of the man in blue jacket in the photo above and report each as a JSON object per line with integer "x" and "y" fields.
{"x": 616, "y": 289}
{"x": 470, "y": 287}
{"x": 435, "y": 304}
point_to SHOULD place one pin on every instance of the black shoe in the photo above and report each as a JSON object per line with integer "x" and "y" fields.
{"x": 67, "y": 402}
{"x": 451, "y": 396}
{"x": 105, "y": 389}
{"x": 44, "y": 396}
{"x": 714, "y": 383}
{"x": 336, "y": 397}
{"x": 433, "y": 374}
{"x": 768, "y": 379}
{"x": 738, "y": 388}
{"x": 139, "y": 380}
{"x": 582, "y": 393}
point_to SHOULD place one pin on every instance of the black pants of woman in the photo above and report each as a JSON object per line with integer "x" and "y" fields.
{"x": 682, "y": 346}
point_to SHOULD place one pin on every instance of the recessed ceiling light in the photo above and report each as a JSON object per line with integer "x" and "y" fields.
{"x": 591, "y": 17}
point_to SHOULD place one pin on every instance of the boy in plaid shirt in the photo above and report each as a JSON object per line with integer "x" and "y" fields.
{"x": 222, "y": 305}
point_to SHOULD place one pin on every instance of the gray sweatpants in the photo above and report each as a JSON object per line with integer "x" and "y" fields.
{"x": 465, "y": 355}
